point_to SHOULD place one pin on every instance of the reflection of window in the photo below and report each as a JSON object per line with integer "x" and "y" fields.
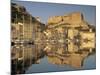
{"x": 20, "y": 53}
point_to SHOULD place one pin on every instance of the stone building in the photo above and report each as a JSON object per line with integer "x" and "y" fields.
{"x": 74, "y": 19}
{"x": 71, "y": 29}
{"x": 87, "y": 40}
{"x": 67, "y": 33}
{"x": 24, "y": 27}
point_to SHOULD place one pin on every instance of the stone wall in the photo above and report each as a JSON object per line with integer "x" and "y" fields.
{"x": 73, "y": 18}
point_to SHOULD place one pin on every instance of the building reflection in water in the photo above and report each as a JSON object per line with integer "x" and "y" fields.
{"x": 67, "y": 42}
{"x": 23, "y": 56}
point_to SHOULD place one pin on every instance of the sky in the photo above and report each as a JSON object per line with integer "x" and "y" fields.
{"x": 46, "y": 10}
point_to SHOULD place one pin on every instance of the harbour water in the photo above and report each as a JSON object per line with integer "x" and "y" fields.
{"x": 45, "y": 66}
{"x": 30, "y": 60}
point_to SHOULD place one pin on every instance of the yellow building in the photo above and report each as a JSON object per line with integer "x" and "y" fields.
{"x": 25, "y": 26}
{"x": 87, "y": 40}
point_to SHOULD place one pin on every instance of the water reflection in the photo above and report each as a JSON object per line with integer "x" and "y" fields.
{"x": 25, "y": 56}
{"x": 46, "y": 66}
{"x": 69, "y": 47}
